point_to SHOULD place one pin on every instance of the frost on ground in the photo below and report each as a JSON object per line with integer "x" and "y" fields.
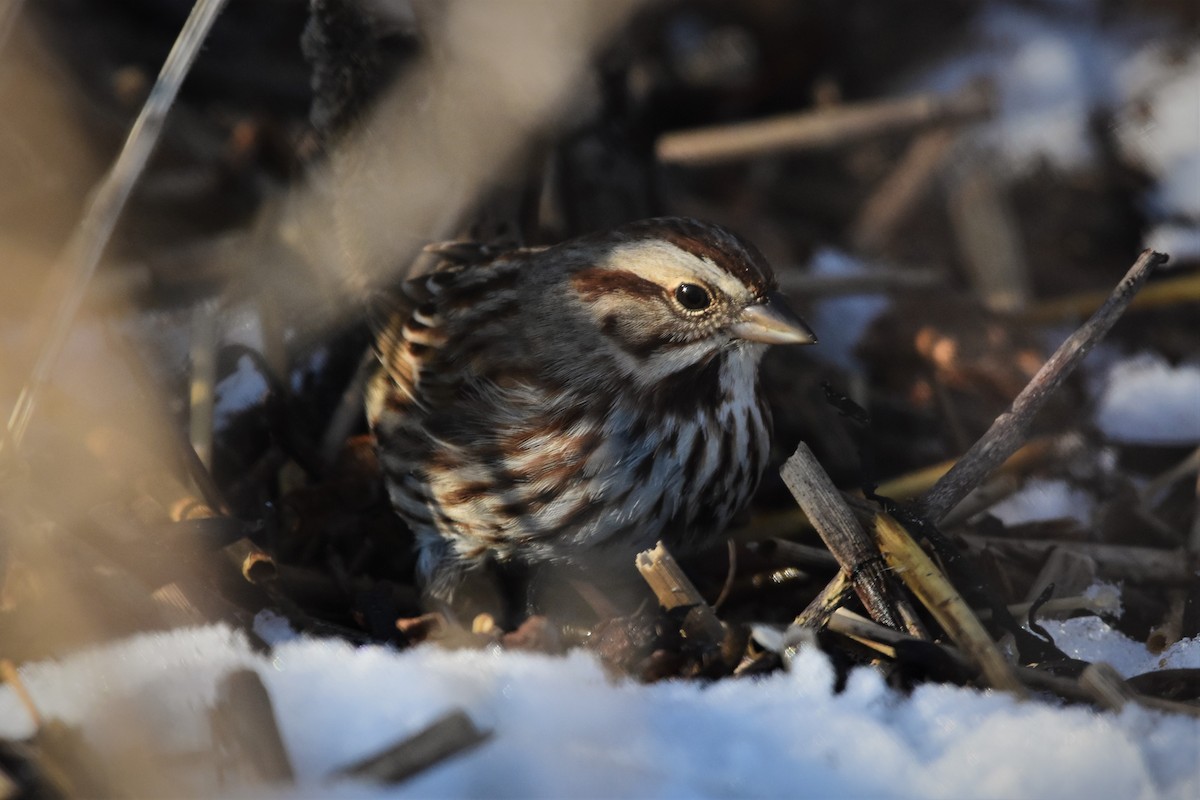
{"x": 563, "y": 728}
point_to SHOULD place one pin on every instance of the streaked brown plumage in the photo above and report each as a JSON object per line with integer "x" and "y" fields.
{"x": 576, "y": 403}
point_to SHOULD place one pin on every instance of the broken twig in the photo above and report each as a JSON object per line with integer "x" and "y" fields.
{"x": 845, "y": 538}
{"x": 674, "y": 590}
{"x": 445, "y": 737}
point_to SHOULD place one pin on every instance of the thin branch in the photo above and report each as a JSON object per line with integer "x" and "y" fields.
{"x": 445, "y": 737}
{"x": 78, "y": 261}
{"x": 1009, "y": 430}
{"x": 821, "y": 128}
{"x": 845, "y": 538}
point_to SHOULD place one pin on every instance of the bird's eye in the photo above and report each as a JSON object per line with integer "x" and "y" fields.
{"x": 693, "y": 297}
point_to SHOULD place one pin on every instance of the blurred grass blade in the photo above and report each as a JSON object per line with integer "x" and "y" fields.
{"x": 82, "y": 253}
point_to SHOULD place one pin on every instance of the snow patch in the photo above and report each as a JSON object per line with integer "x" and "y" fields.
{"x": 841, "y": 321}
{"x": 1042, "y": 499}
{"x": 239, "y": 391}
{"x": 1146, "y": 400}
{"x": 562, "y": 727}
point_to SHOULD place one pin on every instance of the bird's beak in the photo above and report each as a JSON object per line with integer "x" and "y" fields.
{"x": 773, "y": 322}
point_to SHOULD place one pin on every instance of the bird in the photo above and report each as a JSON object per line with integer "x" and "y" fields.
{"x": 573, "y": 404}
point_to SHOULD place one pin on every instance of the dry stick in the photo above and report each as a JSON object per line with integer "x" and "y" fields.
{"x": 988, "y": 236}
{"x": 898, "y": 194}
{"x": 1104, "y": 603}
{"x": 1099, "y": 683}
{"x": 202, "y": 391}
{"x": 839, "y": 125}
{"x": 674, "y": 590}
{"x": 801, "y": 554}
{"x": 786, "y": 523}
{"x": 1009, "y": 430}
{"x": 1138, "y": 564}
{"x": 82, "y": 253}
{"x": 844, "y": 537}
{"x": 445, "y": 737}
{"x": 817, "y": 613}
{"x": 937, "y": 594}
{"x": 1106, "y": 686}
{"x": 885, "y": 641}
{"x": 243, "y": 719}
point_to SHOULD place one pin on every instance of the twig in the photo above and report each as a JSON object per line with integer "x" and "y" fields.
{"x": 674, "y": 590}
{"x": 730, "y": 574}
{"x": 1109, "y": 689}
{"x": 1101, "y": 603}
{"x": 817, "y": 613}
{"x": 1127, "y": 562}
{"x": 202, "y": 394}
{"x": 928, "y": 583}
{"x": 1106, "y": 686}
{"x": 898, "y": 194}
{"x": 887, "y": 641}
{"x": 243, "y": 719}
{"x": 82, "y": 253}
{"x": 988, "y": 237}
{"x": 447, "y": 736}
{"x": 845, "y": 538}
{"x": 799, "y": 554}
{"x": 787, "y": 523}
{"x": 1008, "y": 432}
{"x": 822, "y": 128}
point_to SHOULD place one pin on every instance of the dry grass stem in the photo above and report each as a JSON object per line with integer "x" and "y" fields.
{"x": 936, "y": 593}
{"x": 1160, "y": 294}
{"x": 56, "y": 314}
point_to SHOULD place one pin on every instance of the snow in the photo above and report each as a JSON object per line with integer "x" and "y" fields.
{"x": 1162, "y": 129}
{"x": 1146, "y": 400}
{"x": 841, "y": 321}
{"x": 1092, "y": 639}
{"x": 239, "y": 391}
{"x": 1058, "y": 67}
{"x": 563, "y": 727}
{"x": 1042, "y": 499}
{"x": 1182, "y": 242}
{"x": 1049, "y": 70}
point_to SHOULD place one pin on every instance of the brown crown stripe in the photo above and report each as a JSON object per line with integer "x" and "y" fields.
{"x": 722, "y": 247}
